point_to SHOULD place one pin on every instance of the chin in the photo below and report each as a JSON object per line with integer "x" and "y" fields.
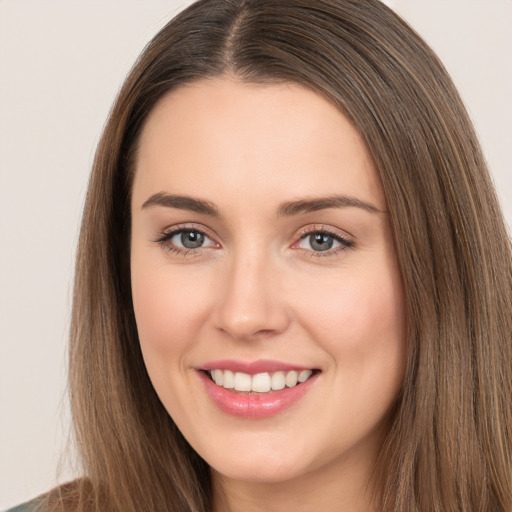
{"x": 267, "y": 462}
{"x": 261, "y": 471}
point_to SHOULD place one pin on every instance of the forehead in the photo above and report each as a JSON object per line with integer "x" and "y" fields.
{"x": 255, "y": 141}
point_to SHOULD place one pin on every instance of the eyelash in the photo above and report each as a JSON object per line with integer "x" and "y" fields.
{"x": 165, "y": 240}
{"x": 345, "y": 242}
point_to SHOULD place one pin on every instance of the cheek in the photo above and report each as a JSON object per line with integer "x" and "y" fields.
{"x": 358, "y": 305}
{"x": 360, "y": 322}
{"x": 169, "y": 309}
{"x": 361, "y": 326}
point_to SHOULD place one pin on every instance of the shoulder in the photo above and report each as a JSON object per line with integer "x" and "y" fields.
{"x": 30, "y": 506}
{"x": 64, "y": 498}
{"x": 69, "y": 497}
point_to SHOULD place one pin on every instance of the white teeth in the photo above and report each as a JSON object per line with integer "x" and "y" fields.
{"x": 218, "y": 377}
{"x": 260, "y": 382}
{"x": 304, "y": 375}
{"x": 229, "y": 379}
{"x": 243, "y": 381}
{"x": 291, "y": 379}
{"x": 278, "y": 381}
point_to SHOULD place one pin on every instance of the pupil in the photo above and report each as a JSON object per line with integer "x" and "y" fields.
{"x": 320, "y": 242}
{"x": 192, "y": 239}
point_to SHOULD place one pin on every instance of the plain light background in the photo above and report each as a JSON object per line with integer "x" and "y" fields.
{"x": 61, "y": 64}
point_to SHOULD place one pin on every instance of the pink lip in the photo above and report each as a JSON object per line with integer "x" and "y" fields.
{"x": 254, "y": 406}
{"x": 252, "y": 367}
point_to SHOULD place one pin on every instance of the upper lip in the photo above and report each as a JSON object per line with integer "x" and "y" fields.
{"x": 253, "y": 367}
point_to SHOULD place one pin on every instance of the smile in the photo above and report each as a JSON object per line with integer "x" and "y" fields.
{"x": 261, "y": 382}
{"x": 256, "y": 390}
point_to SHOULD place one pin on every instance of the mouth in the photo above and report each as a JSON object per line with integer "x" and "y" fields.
{"x": 255, "y": 393}
{"x": 259, "y": 383}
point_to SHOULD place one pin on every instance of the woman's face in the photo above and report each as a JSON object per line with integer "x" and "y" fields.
{"x": 262, "y": 252}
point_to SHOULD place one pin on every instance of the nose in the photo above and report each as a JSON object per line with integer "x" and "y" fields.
{"x": 252, "y": 304}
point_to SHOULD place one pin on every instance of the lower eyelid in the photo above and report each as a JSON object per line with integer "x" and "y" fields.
{"x": 331, "y": 253}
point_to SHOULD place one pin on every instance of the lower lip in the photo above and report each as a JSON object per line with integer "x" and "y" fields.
{"x": 255, "y": 406}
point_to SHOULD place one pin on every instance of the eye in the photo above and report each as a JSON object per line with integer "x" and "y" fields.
{"x": 323, "y": 242}
{"x": 181, "y": 239}
{"x": 189, "y": 239}
{"x": 318, "y": 242}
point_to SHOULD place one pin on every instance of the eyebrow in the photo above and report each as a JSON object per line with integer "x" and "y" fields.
{"x": 182, "y": 203}
{"x": 322, "y": 203}
{"x": 286, "y": 209}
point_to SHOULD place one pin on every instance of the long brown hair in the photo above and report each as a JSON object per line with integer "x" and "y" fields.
{"x": 449, "y": 446}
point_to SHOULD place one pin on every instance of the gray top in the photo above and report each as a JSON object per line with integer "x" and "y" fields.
{"x": 30, "y": 506}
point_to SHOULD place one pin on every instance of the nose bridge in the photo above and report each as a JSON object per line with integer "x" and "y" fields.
{"x": 251, "y": 304}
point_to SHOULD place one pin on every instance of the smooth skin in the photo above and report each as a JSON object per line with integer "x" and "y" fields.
{"x": 246, "y": 279}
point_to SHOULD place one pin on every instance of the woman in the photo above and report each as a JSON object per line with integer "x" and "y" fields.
{"x": 294, "y": 283}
